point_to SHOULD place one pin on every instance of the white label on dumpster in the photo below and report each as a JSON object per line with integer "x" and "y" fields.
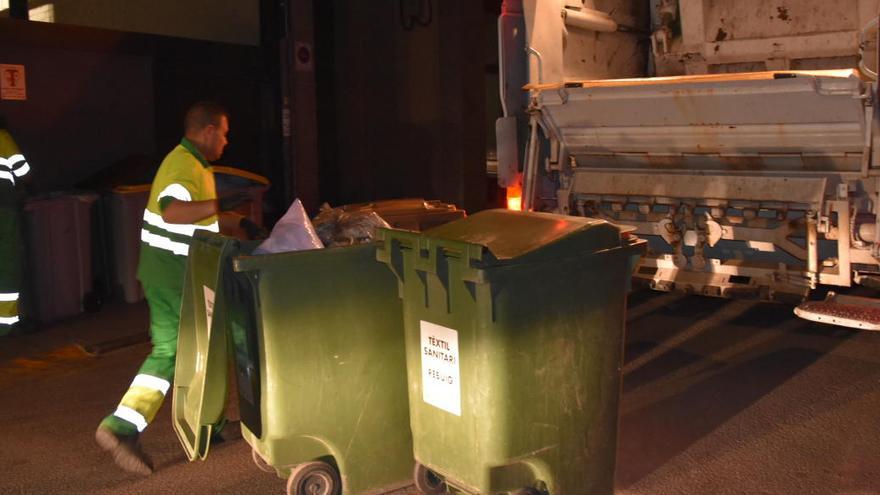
{"x": 441, "y": 383}
{"x": 209, "y": 305}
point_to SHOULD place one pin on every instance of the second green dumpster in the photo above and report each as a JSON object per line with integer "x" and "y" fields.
{"x": 514, "y": 336}
{"x": 317, "y": 340}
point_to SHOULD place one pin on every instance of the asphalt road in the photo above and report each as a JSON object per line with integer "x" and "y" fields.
{"x": 719, "y": 397}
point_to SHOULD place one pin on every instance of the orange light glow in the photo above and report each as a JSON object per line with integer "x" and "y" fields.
{"x": 514, "y": 198}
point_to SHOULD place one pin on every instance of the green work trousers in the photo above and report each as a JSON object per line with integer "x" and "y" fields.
{"x": 11, "y": 260}
{"x": 144, "y": 397}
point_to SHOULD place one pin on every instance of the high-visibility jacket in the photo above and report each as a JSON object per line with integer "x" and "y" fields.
{"x": 13, "y": 167}
{"x": 184, "y": 175}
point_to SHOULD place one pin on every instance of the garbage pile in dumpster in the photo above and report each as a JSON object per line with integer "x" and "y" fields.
{"x": 353, "y": 224}
{"x": 338, "y": 227}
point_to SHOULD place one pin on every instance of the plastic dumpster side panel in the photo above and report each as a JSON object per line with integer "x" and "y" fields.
{"x": 331, "y": 364}
{"x": 245, "y": 328}
{"x": 200, "y": 375}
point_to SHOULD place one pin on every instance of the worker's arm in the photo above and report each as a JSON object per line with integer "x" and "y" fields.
{"x": 189, "y": 212}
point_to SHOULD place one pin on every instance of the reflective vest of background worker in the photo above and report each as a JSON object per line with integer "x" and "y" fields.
{"x": 13, "y": 171}
{"x": 182, "y": 200}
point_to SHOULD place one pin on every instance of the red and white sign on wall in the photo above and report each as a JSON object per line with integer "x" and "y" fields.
{"x": 12, "y": 82}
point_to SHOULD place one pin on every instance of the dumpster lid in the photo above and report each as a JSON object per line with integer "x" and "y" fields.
{"x": 200, "y": 377}
{"x": 133, "y": 188}
{"x": 242, "y": 174}
{"x": 508, "y": 234}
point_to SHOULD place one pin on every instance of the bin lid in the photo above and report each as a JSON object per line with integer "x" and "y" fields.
{"x": 531, "y": 236}
{"x": 55, "y": 198}
{"x": 202, "y": 359}
{"x": 243, "y": 174}
{"x": 132, "y": 189}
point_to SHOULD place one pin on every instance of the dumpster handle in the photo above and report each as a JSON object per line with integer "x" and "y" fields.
{"x": 395, "y": 258}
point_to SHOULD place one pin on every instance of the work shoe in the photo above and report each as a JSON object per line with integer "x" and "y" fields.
{"x": 126, "y": 451}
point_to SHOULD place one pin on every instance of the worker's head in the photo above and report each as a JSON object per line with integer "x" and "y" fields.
{"x": 206, "y": 125}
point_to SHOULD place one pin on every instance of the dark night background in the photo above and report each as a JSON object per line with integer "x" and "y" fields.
{"x": 394, "y": 102}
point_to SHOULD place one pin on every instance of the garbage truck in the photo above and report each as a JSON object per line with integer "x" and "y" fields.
{"x": 739, "y": 137}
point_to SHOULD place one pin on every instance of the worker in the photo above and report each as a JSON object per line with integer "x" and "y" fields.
{"x": 14, "y": 170}
{"x": 182, "y": 200}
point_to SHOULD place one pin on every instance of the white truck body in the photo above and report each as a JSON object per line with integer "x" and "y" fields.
{"x": 740, "y": 137}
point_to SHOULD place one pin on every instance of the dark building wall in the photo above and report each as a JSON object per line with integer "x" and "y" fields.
{"x": 84, "y": 109}
{"x": 97, "y": 96}
{"x": 402, "y": 100}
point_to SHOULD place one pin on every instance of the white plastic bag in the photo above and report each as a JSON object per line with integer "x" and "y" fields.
{"x": 294, "y": 232}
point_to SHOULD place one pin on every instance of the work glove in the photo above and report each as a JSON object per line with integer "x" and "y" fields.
{"x": 230, "y": 201}
{"x": 253, "y": 231}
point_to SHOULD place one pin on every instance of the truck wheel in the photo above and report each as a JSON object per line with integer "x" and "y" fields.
{"x": 260, "y": 462}
{"x": 427, "y": 482}
{"x": 314, "y": 478}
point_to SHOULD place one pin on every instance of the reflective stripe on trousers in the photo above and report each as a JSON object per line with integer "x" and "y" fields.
{"x": 142, "y": 401}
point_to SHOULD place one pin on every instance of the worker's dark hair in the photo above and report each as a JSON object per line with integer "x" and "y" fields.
{"x": 203, "y": 114}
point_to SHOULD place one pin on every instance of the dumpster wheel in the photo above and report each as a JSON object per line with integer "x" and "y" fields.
{"x": 314, "y": 478}
{"x": 427, "y": 482}
{"x": 260, "y": 462}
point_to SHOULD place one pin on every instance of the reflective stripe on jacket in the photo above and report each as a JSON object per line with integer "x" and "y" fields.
{"x": 13, "y": 165}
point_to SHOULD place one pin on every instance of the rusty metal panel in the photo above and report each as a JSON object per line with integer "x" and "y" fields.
{"x": 592, "y": 55}
{"x": 803, "y": 190}
{"x": 753, "y": 35}
{"x": 558, "y": 52}
{"x": 750, "y": 19}
{"x": 800, "y": 115}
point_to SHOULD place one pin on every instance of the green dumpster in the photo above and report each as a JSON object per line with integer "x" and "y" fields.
{"x": 514, "y": 336}
{"x": 317, "y": 341}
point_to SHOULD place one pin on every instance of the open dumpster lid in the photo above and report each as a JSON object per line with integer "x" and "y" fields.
{"x": 530, "y": 236}
{"x": 202, "y": 360}
{"x": 241, "y": 174}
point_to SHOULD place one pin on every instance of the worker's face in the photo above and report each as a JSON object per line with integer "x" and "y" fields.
{"x": 215, "y": 139}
